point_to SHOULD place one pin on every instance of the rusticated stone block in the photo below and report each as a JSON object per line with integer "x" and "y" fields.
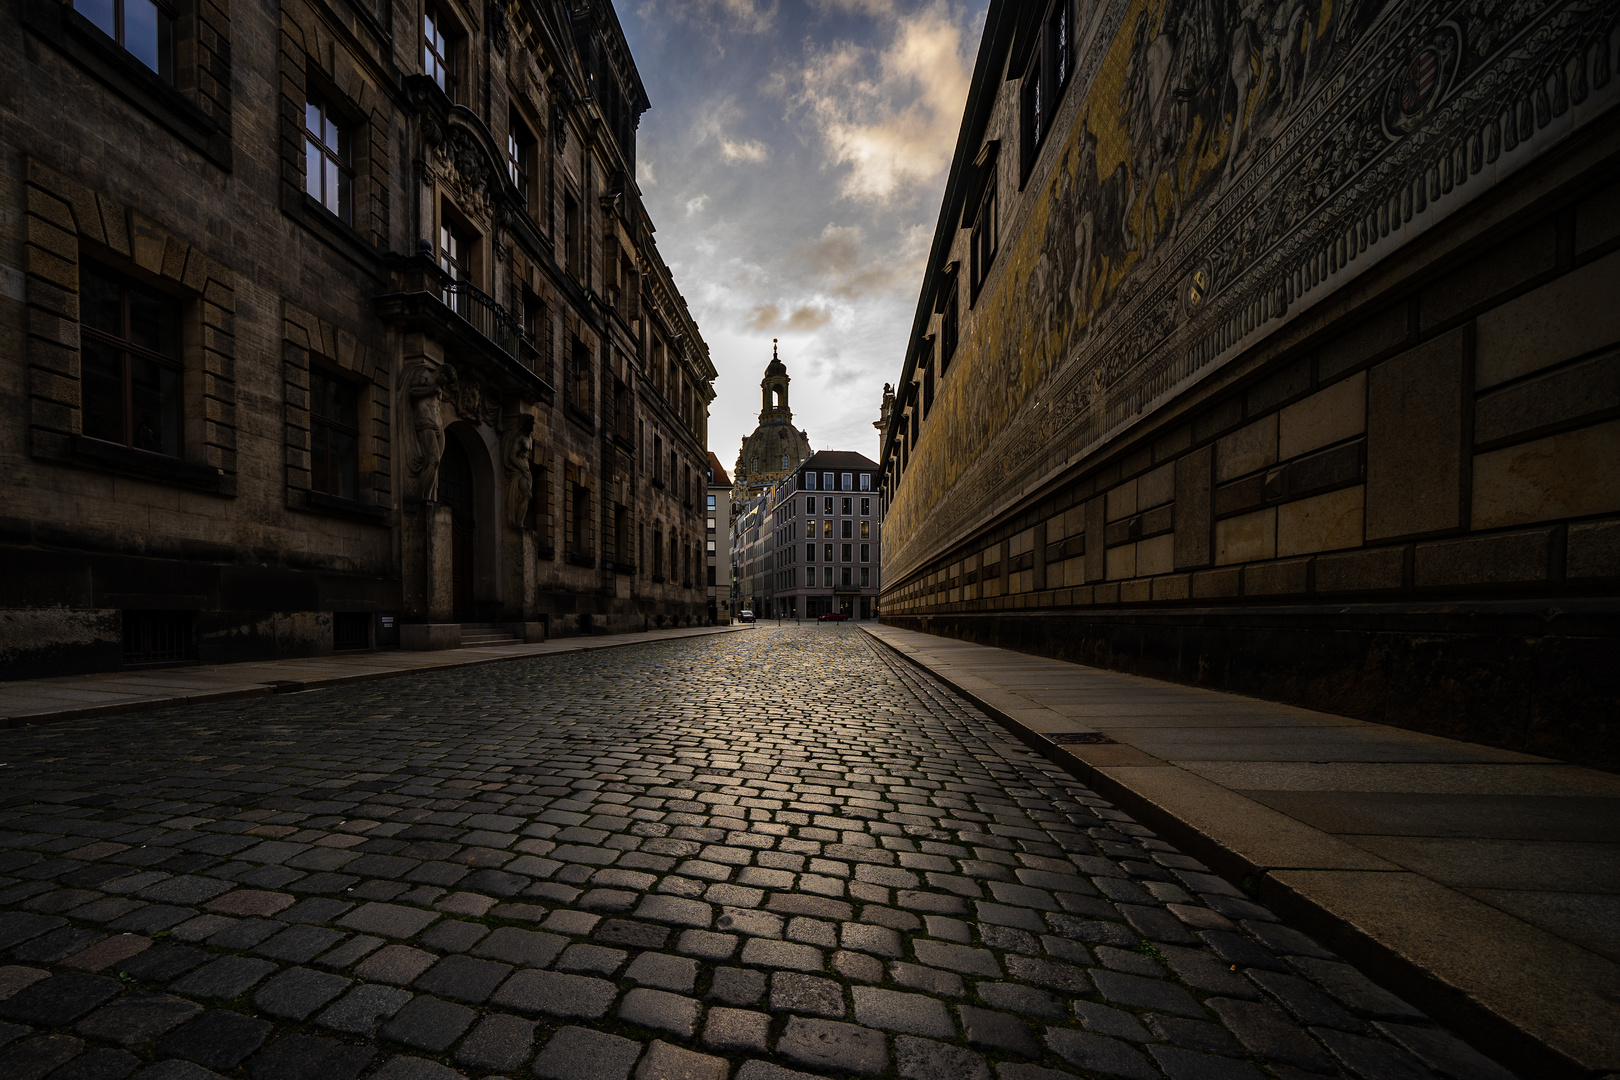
{"x": 1192, "y": 508}
{"x": 1155, "y": 556}
{"x": 1557, "y": 398}
{"x": 1247, "y": 449}
{"x": 1213, "y": 584}
{"x": 1327, "y": 416}
{"x": 1414, "y": 440}
{"x": 1564, "y": 318}
{"x": 1320, "y": 523}
{"x": 1247, "y": 538}
{"x": 1361, "y": 571}
{"x": 1172, "y": 587}
{"x": 1503, "y": 559}
{"x": 1568, "y": 475}
{"x": 1371, "y": 339}
{"x": 1594, "y": 550}
{"x": 1509, "y": 267}
{"x": 1276, "y": 578}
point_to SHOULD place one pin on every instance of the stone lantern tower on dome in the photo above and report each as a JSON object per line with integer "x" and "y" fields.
{"x": 776, "y": 447}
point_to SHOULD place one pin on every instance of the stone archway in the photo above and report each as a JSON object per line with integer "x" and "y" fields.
{"x": 468, "y": 488}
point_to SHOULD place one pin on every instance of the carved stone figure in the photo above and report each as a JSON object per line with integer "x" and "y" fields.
{"x": 517, "y": 451}
{"x": 423, "y": 387}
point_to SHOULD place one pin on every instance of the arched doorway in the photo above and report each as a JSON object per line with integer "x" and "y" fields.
{"x": 456, "y": 492}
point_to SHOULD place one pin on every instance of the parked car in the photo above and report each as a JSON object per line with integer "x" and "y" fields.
{"x": 745, "y": 616}
{"x": 834, "y": 616}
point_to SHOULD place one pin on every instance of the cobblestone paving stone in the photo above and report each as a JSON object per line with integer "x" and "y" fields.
{"x": 757, "y": 856}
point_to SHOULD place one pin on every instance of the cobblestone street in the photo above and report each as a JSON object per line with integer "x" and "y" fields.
{"x": 753, "y": 856}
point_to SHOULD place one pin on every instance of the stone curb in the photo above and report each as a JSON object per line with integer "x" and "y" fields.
{"x": 320, "y": 683}
{"x": 1401, "y": 974}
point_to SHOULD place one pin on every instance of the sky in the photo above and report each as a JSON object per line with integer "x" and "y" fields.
{"x": 793, "y": 163}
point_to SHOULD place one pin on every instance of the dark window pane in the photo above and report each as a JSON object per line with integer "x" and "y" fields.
{"x": 101, "y": 373}
{"x": 143, "y": 34}
{"x": 312, "y": 169}
{"x": 101, "y": 299}
{"x": 154, "y": 322}
{"x": 99, "y": 12}
{"x": 155, "y": 406}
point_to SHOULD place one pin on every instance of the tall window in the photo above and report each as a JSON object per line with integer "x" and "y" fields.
{"x": 579, "y": 537}
{"x": 328, "y": 174}
{"x": 984, "y": 235}
{"x": 579, "y": 377}
{"x": 519, "y": 154}
{"x": 866, "y": 504}
{"x": 455, "y": 251}
{"x": 571, "y": 233}
{"x": 1049, "y": 66}
{"x": 334, "y": 434}
{"x": 143, "y": 27}
{"x": 928, "y": 383}
{"x": 947, "y": 325}
{"x": 438, "y": 50}
{"x": 129, "y": 362}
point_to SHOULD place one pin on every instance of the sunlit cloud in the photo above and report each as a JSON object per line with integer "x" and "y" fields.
{"x": 696, "y": 205}
{"x": 735, "y": 151}
{"x": 890, "y": 113}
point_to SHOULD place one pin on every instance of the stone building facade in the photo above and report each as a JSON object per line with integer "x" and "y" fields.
{"x": 1281, "y": 359}
{"x": 824, "y": 527}
{"x": 331, "y": 319}
{"x": 717, "y": 543}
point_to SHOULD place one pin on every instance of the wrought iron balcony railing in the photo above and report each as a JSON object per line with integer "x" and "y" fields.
{"x": 484, "y": 314}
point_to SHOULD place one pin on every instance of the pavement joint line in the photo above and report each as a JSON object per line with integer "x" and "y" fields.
{"x": 270, "y": 688}
{"x": 1400, "y": 973}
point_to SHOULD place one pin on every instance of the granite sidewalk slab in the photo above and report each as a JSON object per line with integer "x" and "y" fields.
{"x": 1481, "y": 884}
{"x": 74, "y": 697}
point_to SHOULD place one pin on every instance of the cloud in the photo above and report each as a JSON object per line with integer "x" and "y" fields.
{"x": 841, "y": 263}
{"x": 890, "y": 114}
{"x": 751, "y": 150}
{"x": 646, "y": 175}
{"x": 767, "y": 317}
{"x": 695, "y": 206}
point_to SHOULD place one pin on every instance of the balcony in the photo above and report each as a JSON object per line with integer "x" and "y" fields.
{"x": 424, "y": 297}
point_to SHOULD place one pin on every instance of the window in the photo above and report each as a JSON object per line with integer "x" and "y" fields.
{"x": 848, "y": 530}
{"x": 334, "y": 434}
{"x": 157, "y": 637}
{"x": 827, "y": 484}
{"x": 866, "y": 530}
{"x": 866, "y": 507}
{"x": 928, "y": 384}
{"x": 810, "y": 505}
{"x": 866, "y": 576}
{"x": 847, "y": 507}
{"x": 826, "y": 551}
{"x": 710, "y": 549}
{"x": 866, "y": 553}
{"x": 144, "y": 28}
{"x": 810, "y": 483}
{"x": 539, "y": 517}
{"x": 711, "y": 500}
{"x": 1049, "y": 68}
{"x": 579, "y": 538}
{"x": 571, "y": 234}
{"x": 711, "y": 520}
{"x": 579, "y": 377}
{"x": 846, "y": 483}
{"x": 846, "y": 553}
{"x": 328, "y": 174}
{"x": 846, "y": 577}
{"x": 866, "y": 485}
{"x": 519, "y": 154}
{"x": 983, "y": 241}
{"x": 129, "y": 362}
{"x": 827, "y": 505}
{"x": 455, "y": 250}
{"x": 826, "y": 577}
{"x": 947, "y": 326}
{"x": 658, "y": 460}
{"x": 809, "y": 553}
{"x": 438, "y": 50}
{"x": 827, "y": 527}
